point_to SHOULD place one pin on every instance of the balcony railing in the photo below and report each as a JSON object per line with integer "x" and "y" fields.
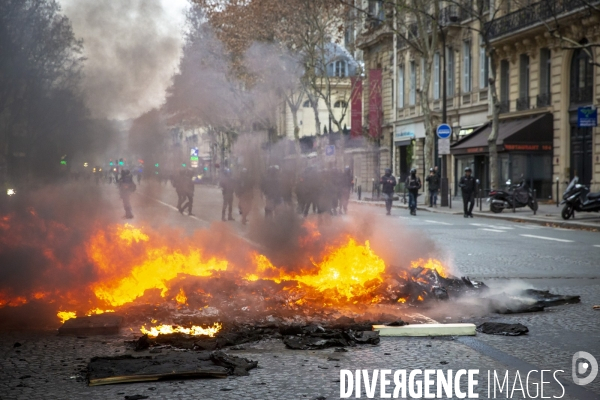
{"x": 523, "y": 103}
{"x": 544, "y": 100}
{"x": 533, "y": 14}
{"x": 504, "y": 106}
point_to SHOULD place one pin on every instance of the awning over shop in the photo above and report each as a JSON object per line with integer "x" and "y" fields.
{"x": 533, "y": 133}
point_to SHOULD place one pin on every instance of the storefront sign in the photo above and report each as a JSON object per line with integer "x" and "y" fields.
{"x": 477, "y": 150}
{"x": 443, "y": 146}
{"x": 587, "y": 117}
{"x": 403, "y": 136}
{"x": 528, "y": 147}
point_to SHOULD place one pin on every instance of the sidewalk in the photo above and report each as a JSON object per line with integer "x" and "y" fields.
{"x": 547, "y": 214}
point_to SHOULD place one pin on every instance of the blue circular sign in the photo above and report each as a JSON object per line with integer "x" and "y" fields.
{"x": 444, "y": 131}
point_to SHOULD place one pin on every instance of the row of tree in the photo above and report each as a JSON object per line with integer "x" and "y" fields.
{"x": 42, "y": 113}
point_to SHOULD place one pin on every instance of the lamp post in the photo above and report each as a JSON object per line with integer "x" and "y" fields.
{"x": 444, "y": 194}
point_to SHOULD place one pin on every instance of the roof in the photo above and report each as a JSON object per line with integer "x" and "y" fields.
{"x": 528, "y": 133}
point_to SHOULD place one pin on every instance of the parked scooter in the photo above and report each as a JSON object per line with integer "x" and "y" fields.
{"x": 578, "y": 198}
{"x": 520, "y": 194}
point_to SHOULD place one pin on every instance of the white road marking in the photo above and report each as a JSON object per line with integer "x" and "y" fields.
{"x": 597, "y": 245}
{"x": 437, "y": 222}
{"x": 491, "y": 230}
{"x": 497, "y": 227}
{"x": 548, "y": 238}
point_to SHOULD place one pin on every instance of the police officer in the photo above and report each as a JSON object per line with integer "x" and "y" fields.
{"x": 271, "y": 188}
{"x": 413, "y": 184}
{"x": 346, "y": 182}
{"x": 388, "y": 182}
{"x": 245, "y": 193}
{"x": 178, "y": 181}
{"x": 468, "y": 184}
{"x": 126, "y": 187}
{"x": 227, "y": 187}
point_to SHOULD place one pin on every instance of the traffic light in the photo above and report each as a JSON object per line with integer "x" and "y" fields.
{"x": 120, "y": 161}
{"x": 111, "y": 163}
{"x": 183, "y": 165}
{"x": 156, "y": 165}
{"x": 63, "y": 162}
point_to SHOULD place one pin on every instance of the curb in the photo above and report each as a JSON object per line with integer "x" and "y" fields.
{"x": 513, "y": 218}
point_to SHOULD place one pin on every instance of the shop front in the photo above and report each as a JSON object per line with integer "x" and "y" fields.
{"x": 404, "y": 147}
{"x": 524, "y": 153}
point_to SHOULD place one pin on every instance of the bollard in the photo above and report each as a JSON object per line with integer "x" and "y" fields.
{"x": 359, "y": 192}
{"x": 404, "y": 196}
{"x": 449, "y": 198}
{"x": 480, "y": 201}
{"x": 513, "y": 200}
{"x": 557, "y": 200}
{"x": 535, "y": 199}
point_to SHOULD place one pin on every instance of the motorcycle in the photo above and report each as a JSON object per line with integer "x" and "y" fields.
{"x": 578, "y": 198}
{"x": 520, "y": 194}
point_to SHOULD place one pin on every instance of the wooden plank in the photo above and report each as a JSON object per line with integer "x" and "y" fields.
{"x": 155, "y": 377}
{"x": 426, "y": 330}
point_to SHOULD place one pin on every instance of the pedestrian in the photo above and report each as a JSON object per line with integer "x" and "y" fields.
{"x": 187, "y": 189}
{"x": 245, "y": 193}
{"x": 388, "y": 182}
{"x": 126, "y": 187}
{"x": 347, "y": 180}
{"x": 413, "y": 184}
{"x": 228, "y": 188}
{"x": 178, "y": 181}
{"x": 433, "y": 183}
{"x": 467, "y": 184}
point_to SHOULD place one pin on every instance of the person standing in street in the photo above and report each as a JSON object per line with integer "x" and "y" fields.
{"x": 467, "y": 184}
{"x": 433, "y": 182}
{"x": 413, "y": 184}
{"x": 346, "y": 182}
{"x": 126, "y": 187}
{"x": 228, "y": 187}
{"x": 245, "y": 193}
{"x": 388, "y": 183}
{"x": 187, "y": 187}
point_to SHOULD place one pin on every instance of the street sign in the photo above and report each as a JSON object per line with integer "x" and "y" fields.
{"x": 330, "y": 150}
{"x": 587, "y": 117}
{"x": 194, "y": 152}
{"x": 444, "y": 131}
{"x": 443, "y": 146}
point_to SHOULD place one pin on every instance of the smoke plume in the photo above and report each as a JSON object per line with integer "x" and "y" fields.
{"x": 132, "y": 50}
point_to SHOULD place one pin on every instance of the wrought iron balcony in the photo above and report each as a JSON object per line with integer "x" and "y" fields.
{"x": 504, "y": 106}
{"x": 523, "y": 103}
{"x": 544, "y": 100}
{"x": 534, "y": 14}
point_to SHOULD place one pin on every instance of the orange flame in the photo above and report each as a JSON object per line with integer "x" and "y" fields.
{"x": 66, "y": 315}
{"x": 432, "y": 264}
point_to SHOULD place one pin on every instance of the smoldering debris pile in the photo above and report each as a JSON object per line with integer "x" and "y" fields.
{"x": 343, "y": 332}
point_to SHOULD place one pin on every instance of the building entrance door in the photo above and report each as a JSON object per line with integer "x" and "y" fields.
{"x": 581, "y": 154}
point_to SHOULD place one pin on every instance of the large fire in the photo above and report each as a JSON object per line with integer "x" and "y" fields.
{"x": 133, "y": 265}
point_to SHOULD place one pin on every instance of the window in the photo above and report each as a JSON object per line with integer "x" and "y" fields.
{"x": 484, "y": 65}
{"x": 340, "y": 104}
{"x": 436, "y": 76}
{"x": 412, "y": 94}
{"x": 545, "y": 71}
{"x": 338, "y": 68}
{"x": 466, "y": 67}
{"x": 504, "y": 85}
{"x": 307, "y": 104}
{"x": 376, "y": 11}
{"x": 422, "y": 73}
{"x": 449, "y": 72}
{"x": 401, "y": 87}
{"x": 523, "y": 101}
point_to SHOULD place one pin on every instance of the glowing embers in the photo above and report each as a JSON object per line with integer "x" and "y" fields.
{"x": 66, "y": 315}
{"x": 195, "y": 330}
{"x": 131, "y": 262}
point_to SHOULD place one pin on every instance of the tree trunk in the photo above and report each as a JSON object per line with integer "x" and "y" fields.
{"x": 429, "y": 140}
{"x": 493, "y": 137}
